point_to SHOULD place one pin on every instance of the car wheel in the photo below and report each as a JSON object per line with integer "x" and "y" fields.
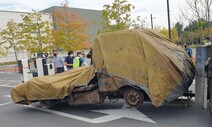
{"x": 133, "y": 98}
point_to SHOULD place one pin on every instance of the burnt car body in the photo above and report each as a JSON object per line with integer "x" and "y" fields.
{"x": 137, "y": 65}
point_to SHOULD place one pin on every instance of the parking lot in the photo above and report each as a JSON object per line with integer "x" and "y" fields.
{"x": 104, "y": 115}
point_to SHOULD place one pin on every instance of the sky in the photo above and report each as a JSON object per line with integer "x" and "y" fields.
{"x": 143, "y": 8}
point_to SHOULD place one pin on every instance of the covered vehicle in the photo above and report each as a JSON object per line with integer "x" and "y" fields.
{"x": 136, "y": 65}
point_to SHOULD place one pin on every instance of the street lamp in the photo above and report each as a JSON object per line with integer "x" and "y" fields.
{"x": 169, "y": 26}
{"x": 152, "y": 20}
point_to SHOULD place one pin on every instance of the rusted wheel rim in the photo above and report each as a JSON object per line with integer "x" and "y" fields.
{"x": 133, "y": 98}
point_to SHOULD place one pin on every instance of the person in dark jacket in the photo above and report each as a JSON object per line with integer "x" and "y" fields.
{"x": 188, "y": 51}
{"x": 89, "y": 55}
{"x": 69, "y": 60}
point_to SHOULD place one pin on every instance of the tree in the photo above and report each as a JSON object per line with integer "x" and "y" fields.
{"x": 69, "y": 32}
{"x": 196, "y": 10}
{"x": 139, "y": 23}
{"x": 175, "y": 36}
{"x": 2, "y": 52}
{"x": 196, "y": 25}
{"x": 179, "y": 28}
{"x": 164, "y": 32}
{"x": 10, "y": 38}
{"x": 207, "y": 5}
{"x": 195, "y": 36}
{"x": 192, "y": 11}
{"x": 174, "y": 33}
{"x": 117, "y": 14}
{"x": 34, "y": 33}
{"x": 192, "y": 26}
{"x": 197, "y": 13}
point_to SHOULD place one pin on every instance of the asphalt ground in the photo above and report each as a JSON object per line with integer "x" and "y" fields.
{"x": 104, "y": 115}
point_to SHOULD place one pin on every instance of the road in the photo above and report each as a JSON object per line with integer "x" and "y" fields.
{"x": 105, "y": 115}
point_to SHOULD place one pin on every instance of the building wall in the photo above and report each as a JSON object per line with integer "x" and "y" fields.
{"x": 94, "y": 17}
{"x": 5, "y": 16}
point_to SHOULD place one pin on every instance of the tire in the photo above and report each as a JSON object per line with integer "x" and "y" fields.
{"x": 133, "y": 98}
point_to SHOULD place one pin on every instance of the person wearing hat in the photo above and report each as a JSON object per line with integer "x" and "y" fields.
{"x": 79, "y": 61}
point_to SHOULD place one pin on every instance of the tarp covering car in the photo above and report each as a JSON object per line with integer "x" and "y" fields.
{"x": 147, "y": 58}
{"x": 141, "y": 55}
{"x": 53, "y": 86}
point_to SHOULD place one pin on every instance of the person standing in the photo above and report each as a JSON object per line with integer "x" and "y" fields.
{"x": 58, "y": 62}
{"x": 47, "y": 58}
{"x": 207, "y": 41}
{"x": 79, "y": 61}
{"x": 188, "y": 51}
{"x": 69, "y": 60}
{"x": 89, "y": 55}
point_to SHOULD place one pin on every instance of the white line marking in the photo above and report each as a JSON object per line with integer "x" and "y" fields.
{"x": 113, "y": 114}
{"x": 65, "y": 114}
{"x": 123, "y": 112}
{"x": 5, "y": 103}
{"x": 8, "y": 86}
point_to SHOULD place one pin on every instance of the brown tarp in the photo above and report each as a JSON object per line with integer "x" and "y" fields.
{"x": 142, "y": 56}
{"x": 147, "y": 58}
{"x": 53, "y": 86}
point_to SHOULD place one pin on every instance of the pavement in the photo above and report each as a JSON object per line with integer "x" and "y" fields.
{"x": 104, "y": 115}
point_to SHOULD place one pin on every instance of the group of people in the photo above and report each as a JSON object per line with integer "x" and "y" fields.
{"x": 70, "y": 62}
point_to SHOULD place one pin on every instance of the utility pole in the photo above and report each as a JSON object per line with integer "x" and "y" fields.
{"x": 151, "y": 21}
{"x": 152, "y": 26}
{"x": 169, "y": 26}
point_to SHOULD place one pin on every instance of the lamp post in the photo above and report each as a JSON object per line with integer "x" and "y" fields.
{"x": 152, "y": 20}
{"x": 169, "y": 26}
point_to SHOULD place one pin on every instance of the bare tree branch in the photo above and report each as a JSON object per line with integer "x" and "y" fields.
{"x": 192, "y": 11}
{"x": 206, "y": 4}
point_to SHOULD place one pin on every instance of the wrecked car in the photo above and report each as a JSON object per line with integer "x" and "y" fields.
{"x": 135, "y": 65}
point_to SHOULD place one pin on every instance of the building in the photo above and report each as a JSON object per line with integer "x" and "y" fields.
{"x": 17, "y": 18}
{"x": 92, "y": 16}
